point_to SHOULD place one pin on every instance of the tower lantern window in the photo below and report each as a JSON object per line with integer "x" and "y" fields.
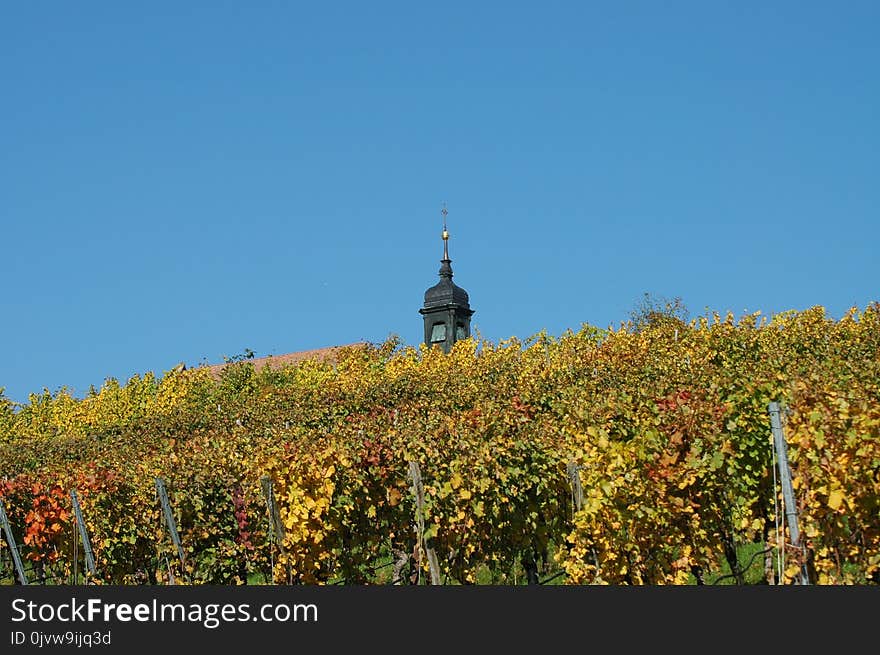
{"x": 438, "y": 333}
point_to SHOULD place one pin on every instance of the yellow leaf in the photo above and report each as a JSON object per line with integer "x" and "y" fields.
{"x": 835, "y": 498}
{"x": 394, "y": 497}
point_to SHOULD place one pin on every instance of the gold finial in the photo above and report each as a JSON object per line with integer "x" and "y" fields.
{"x": 445, "y": 234}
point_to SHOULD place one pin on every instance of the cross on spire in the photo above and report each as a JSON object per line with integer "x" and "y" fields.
{"x": 445, "y": 234}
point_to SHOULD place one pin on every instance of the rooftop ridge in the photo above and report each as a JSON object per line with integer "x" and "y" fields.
{"x": 275, "y": 362}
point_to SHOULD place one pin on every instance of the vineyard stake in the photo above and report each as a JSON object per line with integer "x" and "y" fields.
{"x": 83, "y": 533}
{"x": 418, "y": 491}
{"x": 75, "y": 558}
{"x": 787, "y": 489}
{"x": 577, "y": 489}
{"x": 577, "y": 501}
{"x": 276, "y": 527}
{"x": 16, "y": 559}
{"x": 169, "y": 521}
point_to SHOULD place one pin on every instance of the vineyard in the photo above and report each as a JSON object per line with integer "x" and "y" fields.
{"x": 633, "y": 455}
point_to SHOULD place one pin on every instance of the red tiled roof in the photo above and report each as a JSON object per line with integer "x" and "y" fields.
{"x": 278, "y": 361}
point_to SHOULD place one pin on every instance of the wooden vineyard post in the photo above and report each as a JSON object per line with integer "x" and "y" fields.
{"x": 13, "y": 547}
{"x": 84, "y": 536}
{"x": 276, "y": 527}
{"x": 75, "y": 573}
{"x": 577, "y": 489}
{"x": 418, "y": 491}
{"x": 172, "y": 525}
{"x": 787, "y": 488}
{"x": 577, "y": 498}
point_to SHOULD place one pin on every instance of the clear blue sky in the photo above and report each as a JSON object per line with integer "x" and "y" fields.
{"x": 180, "y": 181}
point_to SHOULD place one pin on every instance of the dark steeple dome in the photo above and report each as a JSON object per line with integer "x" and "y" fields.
{"x": 446, "y": 291}
{"x": 447, "y": 312}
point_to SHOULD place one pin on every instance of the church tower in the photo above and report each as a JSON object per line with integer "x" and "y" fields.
{"x": 447, "y": 312}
